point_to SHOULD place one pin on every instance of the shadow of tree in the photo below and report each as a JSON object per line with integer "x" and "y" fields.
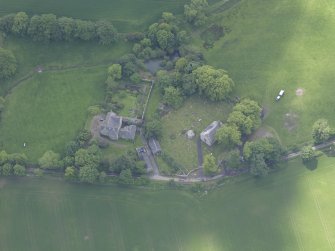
{"x": 311, "y": 164}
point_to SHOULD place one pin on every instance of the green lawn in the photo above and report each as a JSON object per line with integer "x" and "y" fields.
{"x": 49, "y": 109}
{"x": 292, "y": 209}
{"x": 196, "y": 114}
{"x": 277, "y": 45}
{"x": 127, "y": 15}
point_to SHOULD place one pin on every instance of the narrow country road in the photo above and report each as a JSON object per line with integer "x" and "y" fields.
{"x": 200, "y": 158}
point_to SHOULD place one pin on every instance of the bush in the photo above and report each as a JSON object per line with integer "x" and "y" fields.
{"x": 19, "y": 170}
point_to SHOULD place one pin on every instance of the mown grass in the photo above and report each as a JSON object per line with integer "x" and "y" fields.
{"x": 49, "y": 109}
{"x": 275, "y": 45}
{"x": 127, "y": 15}
{"x": 291, "y": 209}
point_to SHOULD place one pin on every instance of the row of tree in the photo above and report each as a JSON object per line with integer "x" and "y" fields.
{"x": 49, "y": 27}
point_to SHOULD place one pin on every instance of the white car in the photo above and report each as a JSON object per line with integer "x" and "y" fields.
{"x": 281, "y": 93}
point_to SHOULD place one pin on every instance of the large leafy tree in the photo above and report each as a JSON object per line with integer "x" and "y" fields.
{"x": 195, "y": 12}
{"x": 210, "y": 165}
{"x": 67, "y": 28}
{"x": 8, "y": 64}
{"x": 20, "y": 23}
{"x": 88, "y": 174}
{"x": 246, "y": 116}
{"x": 229, "y": 135}
{"x": 173, "y": 96}
{"x": 49, "y": 160}
{"x": 308, "y": 153}
{"x": 213, "y": 83}
{"x": 43, "y": 28}
{"x": 115, "y": 71}
{"x": 258, "y": 167}
{"x": 106, "y": 32}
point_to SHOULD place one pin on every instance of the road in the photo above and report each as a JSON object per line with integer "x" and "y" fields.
{"x": 200, "y": 158}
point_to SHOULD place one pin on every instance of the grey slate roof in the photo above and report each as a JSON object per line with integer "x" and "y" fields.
{"x": 111, "y": 126}
{"x": 208, "y": 135}
{"x": 128, "y": 132}
{"x": 154, "y": 146}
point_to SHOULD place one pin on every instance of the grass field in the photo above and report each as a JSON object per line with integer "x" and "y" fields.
{"x": 127, "y": 15}
{"x": 277, "y": 45}
{"x": 59, "y": 55}
{"x": 290, "y": 210}
{"x": 49, "y": 109}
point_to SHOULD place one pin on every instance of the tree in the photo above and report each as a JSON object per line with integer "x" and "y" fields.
{"x": 106, "y": 32}
{"x": 321, "y": 131}
{"x": 195, "y": 12}
{"x": 44, "y": 28}
{"x": 163, "y": 80}
{"x": 173, "y": 96}
{"x": 88, "y": 157}
{"x": 153, "y": 129}
{"x": 210, "y": 166}
{"x": 19, "y": 170}
{"x": 168, "y": 17}
{"x": 246, "y": 116}
{"x": 7, "y": 169}
{"x": 308, "y": 153}
{"x": 85, "y": 30}
{"x": 49, "y": 160}
{"x": 83, "y": 138}
{"x": 270, "y": 149}
{"x": 115, "y": 71}
{"x": 20, "y": 23}
{"x": 67, "y": 28}
{"x": 241, "y": 121}
{"x": 213, "y": 83}
{"x": 181, "y": 64}
{"x": 17, "y": 158}
{"x": 6, "y": 23}
{"x": 228, "y": 135}
{"x": 165, "y": 40}
{"x": 88, "y": 174}
{"x": 125, "y": 177}
{"x": 258, "y": 167}
{"x": 8, "y": 64}
{"x": 3, "y": 157}
{"x": 70, "y": 173}
{"x": 122, "y": 163}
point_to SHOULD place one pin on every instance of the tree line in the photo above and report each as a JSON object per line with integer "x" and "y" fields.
{"x": 49, "y": 27}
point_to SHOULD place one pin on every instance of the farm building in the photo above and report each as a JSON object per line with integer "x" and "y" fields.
{"x": 154, "y": 146}
{"x": 128, "y": 132}
{"x": 208, "y": 135}
{"x": 111, "y": 127}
